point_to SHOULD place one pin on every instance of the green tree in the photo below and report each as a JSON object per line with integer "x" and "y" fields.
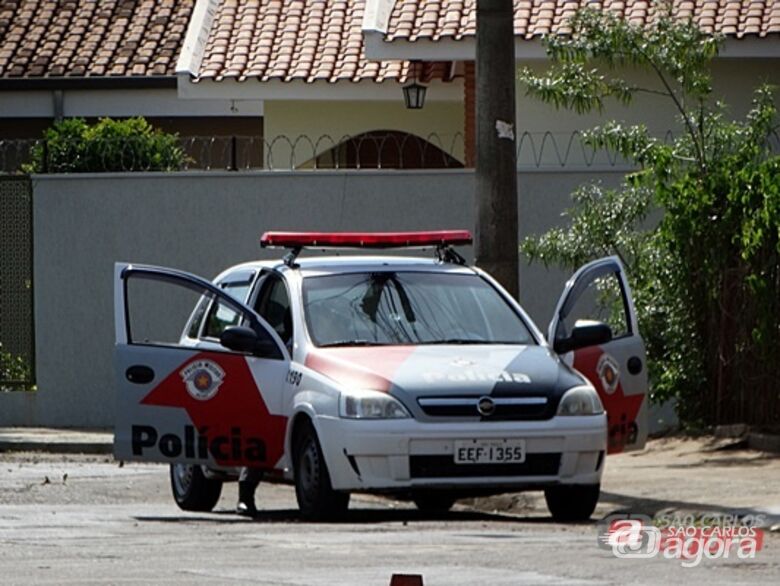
{"x": 706, "y": 277}
{"x": 73, "y": 146}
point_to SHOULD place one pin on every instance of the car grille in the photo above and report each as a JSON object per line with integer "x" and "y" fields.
{"x": 506, "y": 408}
{"x": 445, "y": 467}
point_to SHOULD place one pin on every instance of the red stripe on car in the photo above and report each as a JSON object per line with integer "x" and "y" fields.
{"x": 360, "y": 368}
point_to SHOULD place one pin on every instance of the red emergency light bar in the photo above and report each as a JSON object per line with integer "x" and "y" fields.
{"x": 365, "y": 239}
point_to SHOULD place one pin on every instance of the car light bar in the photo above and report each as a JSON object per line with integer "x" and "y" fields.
{"x": 365, "y": 239}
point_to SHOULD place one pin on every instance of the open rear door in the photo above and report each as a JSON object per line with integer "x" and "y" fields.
{"x": 618, "y": 370}
{"x": 180, "y": 399}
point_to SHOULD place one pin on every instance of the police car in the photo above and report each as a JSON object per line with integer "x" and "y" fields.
{"x": 418, "y": 377}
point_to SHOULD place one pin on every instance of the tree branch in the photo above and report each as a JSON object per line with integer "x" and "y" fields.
{"x": 678, "y": 104}
{"x": 649, "y": 91}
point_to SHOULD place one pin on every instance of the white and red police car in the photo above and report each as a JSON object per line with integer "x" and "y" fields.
{"x": 419, "y": 377}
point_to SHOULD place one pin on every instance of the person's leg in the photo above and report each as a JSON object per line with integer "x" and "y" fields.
{"x": 247, "y": 484}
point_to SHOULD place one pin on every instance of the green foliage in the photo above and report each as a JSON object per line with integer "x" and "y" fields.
{"x": 13, "y": 369}
{"x": 73, "y": 146}
{"x": 706, "y": 274}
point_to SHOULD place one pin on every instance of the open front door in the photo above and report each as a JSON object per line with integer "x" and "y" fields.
{"x": 181, "y": 395}
{"x": 617, "y": 369}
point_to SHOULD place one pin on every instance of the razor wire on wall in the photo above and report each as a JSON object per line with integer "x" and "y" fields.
{"x": 385, "y": 149}
{"x": 17, "y": 340}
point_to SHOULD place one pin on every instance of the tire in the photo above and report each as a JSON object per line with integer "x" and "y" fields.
{"x": 192, "y": 491}
{"x": 317, "y": 500}
{"x": 575, "y": 502}
{"x": 433, "y": 502}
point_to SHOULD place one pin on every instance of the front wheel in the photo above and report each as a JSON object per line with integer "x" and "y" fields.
{"x": 574, "y": 502}
{"x": 192, "y": 490}
{"x": 316, "y": 498}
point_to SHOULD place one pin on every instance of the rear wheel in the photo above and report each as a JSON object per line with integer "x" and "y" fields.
{"x": 575, "y": 502}
{"x": 433, "y": 501}
{"x": 192, "y": 490}
{"x": 316, "y": 498}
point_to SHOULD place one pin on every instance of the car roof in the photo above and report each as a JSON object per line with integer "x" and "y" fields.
{"x": 320, "y": 265}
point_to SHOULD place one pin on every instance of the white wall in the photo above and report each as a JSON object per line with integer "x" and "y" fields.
{"x": 734, "y": 80}
{"x": 120, "y": 102}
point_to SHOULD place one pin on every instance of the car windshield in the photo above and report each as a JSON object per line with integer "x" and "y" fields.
{"x": 382, "y": 308}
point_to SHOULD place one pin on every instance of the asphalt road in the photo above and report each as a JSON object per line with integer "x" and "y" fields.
{"x": 108, "y": 524}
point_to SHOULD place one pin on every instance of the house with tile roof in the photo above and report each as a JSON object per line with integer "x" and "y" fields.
{"x": 306, "y": 60}
{"x": 336, "y": 67}
{"x": 312, "y": 75}
{"x": 63, "y": 58}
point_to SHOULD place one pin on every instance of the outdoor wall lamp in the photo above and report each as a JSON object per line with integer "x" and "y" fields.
{"x": 414, "y": 93}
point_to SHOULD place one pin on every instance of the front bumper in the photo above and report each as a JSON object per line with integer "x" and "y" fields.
{"x": 406, "y": 453}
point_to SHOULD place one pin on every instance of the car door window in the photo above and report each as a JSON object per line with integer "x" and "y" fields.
{"x": 273, "y": 305}
{"x": 193, "y": 328}
{"x": 157, "y": 311}
{"x": 221, "y": 316}
{"x": 159, "y": 301}
{"x": 602, "y": 300}
{"x": 598, "y": 291}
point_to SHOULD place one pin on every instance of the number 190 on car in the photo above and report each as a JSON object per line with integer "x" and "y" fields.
{"x": 493, "y": 451}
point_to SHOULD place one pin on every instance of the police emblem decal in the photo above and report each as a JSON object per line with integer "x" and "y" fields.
{"x": 609, "y": 373}
{"x": 202, "y": 379}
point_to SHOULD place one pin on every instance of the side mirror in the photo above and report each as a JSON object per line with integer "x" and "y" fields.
{"x": 243, "y": 339}
{"x": 585, "y": 333}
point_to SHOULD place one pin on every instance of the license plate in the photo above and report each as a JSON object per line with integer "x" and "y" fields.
{"x": 494, "y": 451}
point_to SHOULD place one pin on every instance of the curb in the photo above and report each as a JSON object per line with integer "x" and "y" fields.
{"x": 56, "y": 447}
{"x": 764, "y": 442}
{"x": 753, "y": 440}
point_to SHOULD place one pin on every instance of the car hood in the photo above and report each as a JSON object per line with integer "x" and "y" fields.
{"x": 413, "y": 372}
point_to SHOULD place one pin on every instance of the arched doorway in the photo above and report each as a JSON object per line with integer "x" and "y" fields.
{"x": 385, "y": 149}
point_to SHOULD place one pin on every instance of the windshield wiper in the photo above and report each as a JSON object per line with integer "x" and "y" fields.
{"x": 352, "y": 343}
{"x": 467, "y": 341}
{"x": 458, "y": 341}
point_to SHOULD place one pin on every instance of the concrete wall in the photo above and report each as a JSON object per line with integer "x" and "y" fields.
{"x": 203, "y": 223}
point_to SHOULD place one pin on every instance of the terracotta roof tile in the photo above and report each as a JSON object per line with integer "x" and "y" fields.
{"x": 306, "y": 40}
{"x": 89, "y": 38}
{"x": 411, "y": 19}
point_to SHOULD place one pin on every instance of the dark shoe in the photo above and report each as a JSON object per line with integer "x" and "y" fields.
{"x": 246, "y": 509}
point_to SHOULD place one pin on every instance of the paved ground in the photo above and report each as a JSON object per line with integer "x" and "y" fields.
{"x": 68, "y": 519}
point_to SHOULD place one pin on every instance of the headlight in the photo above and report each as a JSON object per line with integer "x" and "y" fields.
{"x": 580, "y": 401}
{"x": 365, "y": 404}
